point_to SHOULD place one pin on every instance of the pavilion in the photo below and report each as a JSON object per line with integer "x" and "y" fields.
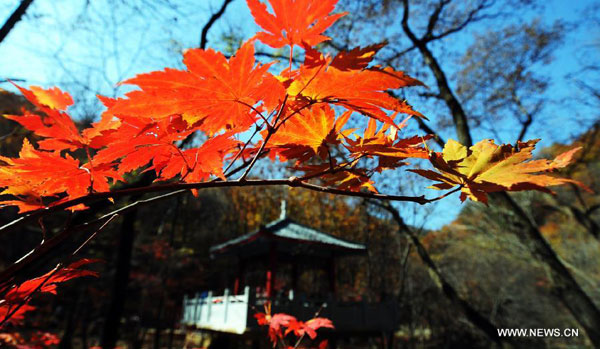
{"x": 280, "y": 243}
{"x": 285, "y": 241}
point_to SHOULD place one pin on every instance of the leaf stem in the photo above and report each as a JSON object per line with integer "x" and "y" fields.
{"x": 270, "y": 132}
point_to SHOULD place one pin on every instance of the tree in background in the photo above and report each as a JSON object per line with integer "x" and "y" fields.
{"x": 501, "y": 84}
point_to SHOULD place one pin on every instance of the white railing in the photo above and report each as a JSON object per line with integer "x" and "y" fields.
{"x": 226, "y": 313}
{"x": 234, "y": 313}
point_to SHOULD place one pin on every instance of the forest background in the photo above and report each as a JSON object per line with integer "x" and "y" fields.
{"x": 517, "y": 69}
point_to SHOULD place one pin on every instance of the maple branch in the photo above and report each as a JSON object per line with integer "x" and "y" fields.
{"x": 58, "y": 267}
{"x": 418, "y": 199}
{"x": 27, "y": 298}
{"x": 239, "y": 153}
{"x": 49, "y": 210}
{"x": 255, "y": 110}
{"x": 110, "y": 219}
{"x": 291, "y": 182}
{"x": 332, "y": 169}
{"x": 43, "y": 249}
{"x": 446, "y": 194}
{"x": 176, "y": 189}
{"x": 274, "y": 56}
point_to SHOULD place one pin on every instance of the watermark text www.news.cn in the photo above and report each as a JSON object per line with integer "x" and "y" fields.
{"x": 538, "y": 332}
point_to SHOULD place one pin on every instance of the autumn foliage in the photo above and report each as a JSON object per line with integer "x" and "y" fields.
{"x": 281, "y": 325}
{"x": 299, "y": 115}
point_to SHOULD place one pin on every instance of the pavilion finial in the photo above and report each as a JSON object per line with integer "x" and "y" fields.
{"x": 283, "y": 213}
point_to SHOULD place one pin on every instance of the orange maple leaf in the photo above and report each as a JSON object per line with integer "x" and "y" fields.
{"x": 47, "y": 283}
{"x": 213, "y": 92}
{"x": 293, "y": 21}
{"x": 27, "y": 179}
{"x": 349, "y": 84}
{"x": 198, "y": 164}
{"x": 308, "y": 133}
{"x": 385, "y": 144}
{"x": 56, "y": 125}
{"x": 138, "y": 143}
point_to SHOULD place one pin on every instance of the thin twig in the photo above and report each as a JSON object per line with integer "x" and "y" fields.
{"x": 255, "y": 110}
{"x": 270, "y": 132}
{"x": 304, "y": 334}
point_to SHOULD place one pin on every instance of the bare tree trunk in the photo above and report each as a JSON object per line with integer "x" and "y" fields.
{"x": 14, "y": 18}
{"x": 110, "y": 333}
{"x": 458, "y": 114}
{"x": 566, "y": 288}
{"x": 66, "y": 342}
{"x": 477, "y": 319}
{"x": 158, "y": 328}
{"x": 171, "y": 332}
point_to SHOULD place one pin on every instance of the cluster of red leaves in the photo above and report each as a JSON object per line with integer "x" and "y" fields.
{"x": 39, "y": 340}
{"x": 303, "y": 113}
{"x": 15, "y": 301}
{"x": 281, "y": 325}
{"x": 220, "y": 98}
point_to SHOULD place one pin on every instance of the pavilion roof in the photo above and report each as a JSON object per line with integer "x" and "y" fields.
{"x": 289, "y": 238}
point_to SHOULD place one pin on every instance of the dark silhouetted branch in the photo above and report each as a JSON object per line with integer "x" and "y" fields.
{"x": 211, "y": 21}
{"x": 14, "y": 18}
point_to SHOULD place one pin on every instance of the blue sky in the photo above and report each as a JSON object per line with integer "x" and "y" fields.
{"x": 54, "y": 46}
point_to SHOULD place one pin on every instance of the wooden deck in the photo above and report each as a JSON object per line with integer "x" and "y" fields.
{"x": 235, "y": 313}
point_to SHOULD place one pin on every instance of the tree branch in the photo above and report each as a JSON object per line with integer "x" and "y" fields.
{"x": 458, "y": 114}
{"x": 274, "y": 56}
{"x": 14, "y": 18}
{"x": 433, "y": 19}
{"x": 471, "y": 17}
{"x": 211, "y": 21}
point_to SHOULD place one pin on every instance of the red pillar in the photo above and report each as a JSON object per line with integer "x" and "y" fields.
{"x": 295, "y": 276}
{"x": 331, "y": 275}
{"x": 271, "y": 271}
{"x": 239, "y": 278}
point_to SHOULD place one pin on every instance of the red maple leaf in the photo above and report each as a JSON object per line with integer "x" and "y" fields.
{"x": 349, "y": 84}
{"x": 56, "y": 125}
{"x": 309, "y": 327}
{"x": 293, "y": 21}
{"x": 15, "y": 301}
{"x": 26, "y": 177}
{"x": 219, "y": 93}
